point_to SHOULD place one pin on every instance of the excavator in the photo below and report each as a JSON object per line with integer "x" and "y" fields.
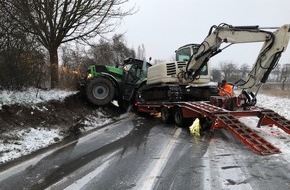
{"x": 169, "y": 82}
{"x": 190, "y": 80}
{"x": 165, "y": 81}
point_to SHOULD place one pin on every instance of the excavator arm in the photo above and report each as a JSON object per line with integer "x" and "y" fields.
{"x": 275, "y": 42}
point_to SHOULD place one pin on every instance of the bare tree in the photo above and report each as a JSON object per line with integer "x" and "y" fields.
{"x": 72, "y": 61}
{"x": 20, "y": 55}
{"x": 245, "y": 69}
{"x": 216, "y": 75}
{"x": 141, "y": 52}
{"x": 58, "y": 21}
{"x": 228, "y": 70}
{"x": 111, "y": 52}
{"x": 277, "y": 73}
{"x": 120, "y": 49}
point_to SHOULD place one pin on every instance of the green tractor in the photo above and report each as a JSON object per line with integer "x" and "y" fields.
{"x": 104, "y": 84}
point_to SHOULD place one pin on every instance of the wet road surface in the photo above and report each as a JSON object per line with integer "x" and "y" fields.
{"x": 142, "y": 153}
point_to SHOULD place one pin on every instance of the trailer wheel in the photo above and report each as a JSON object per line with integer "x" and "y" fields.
{"x": 179, "y": 120}
{"x": 125, "y": 105}
{"x": 178, "y": 117}
{"x": 166, "y": 115}
{"x": 100, "y": 91}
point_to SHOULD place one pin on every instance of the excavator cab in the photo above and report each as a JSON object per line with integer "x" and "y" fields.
{"x": 185, "y": 52}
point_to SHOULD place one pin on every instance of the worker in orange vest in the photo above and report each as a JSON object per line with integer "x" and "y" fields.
{"x": 226, "y": 89}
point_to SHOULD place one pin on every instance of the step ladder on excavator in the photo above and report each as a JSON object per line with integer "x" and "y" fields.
{"x": 230, "y": 121}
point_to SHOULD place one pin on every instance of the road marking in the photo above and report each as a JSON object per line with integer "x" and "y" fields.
{"x": 207, "y": 172}
{"x": 87, "y": 178}
{"x": 156, "y": 167}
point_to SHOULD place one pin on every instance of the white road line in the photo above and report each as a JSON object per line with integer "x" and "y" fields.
{"x": 207, "y": 172}
{"x": 87, "y": 178}
{"x": 157, "y": 166}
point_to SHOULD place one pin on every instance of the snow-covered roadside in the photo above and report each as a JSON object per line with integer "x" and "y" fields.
{"x": 26, "y": 141}
{"x": 23, "y": 142}
{"x": 272, "y": 134}
{"x": 32, "y": 96}
{"x": 277, "y": 104}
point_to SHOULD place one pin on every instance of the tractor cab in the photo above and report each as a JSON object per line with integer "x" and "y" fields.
{"x": 134, "y": 76}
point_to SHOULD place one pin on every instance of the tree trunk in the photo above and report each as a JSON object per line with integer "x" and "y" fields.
{"x": 54, "y": 67}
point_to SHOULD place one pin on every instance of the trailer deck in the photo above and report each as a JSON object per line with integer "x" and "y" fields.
{"x": 229, "y": 120}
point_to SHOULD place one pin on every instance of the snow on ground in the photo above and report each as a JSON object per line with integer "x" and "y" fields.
{"x": 272, "y": 134}
{"x": 29, "y": 140}
{"x": 25, "y": 141}
{"x": 277, "y": 104}
{"x": 32, "y": 96}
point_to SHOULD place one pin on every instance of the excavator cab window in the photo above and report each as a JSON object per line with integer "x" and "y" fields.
{"x": 204, "y": 70}
{"x": 185, "y": 52}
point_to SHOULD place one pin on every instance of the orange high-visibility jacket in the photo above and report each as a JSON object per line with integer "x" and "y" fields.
{"x": 226, "y": 90}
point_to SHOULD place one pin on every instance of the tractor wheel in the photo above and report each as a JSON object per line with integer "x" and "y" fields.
{"x": 179, "y": 120}
{"x": 166, "y": 115}
{"x": 100, "y": 91}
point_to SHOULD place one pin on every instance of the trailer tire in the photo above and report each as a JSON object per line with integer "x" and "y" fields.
{"x": 125, "y": 105}
{"x": 178, "y": 117}
{"x": 100, "y": 91}
{"x": 179, "y": 120}
{"x": 166, "y": 115}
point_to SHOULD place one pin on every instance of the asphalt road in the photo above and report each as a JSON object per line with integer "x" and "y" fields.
{"x": 142, "y": 153}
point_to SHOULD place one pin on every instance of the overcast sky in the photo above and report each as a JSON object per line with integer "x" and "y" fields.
{"x": 164, "y": 25}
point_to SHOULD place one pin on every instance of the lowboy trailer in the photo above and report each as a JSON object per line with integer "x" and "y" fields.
{"x": 183, "y": 113}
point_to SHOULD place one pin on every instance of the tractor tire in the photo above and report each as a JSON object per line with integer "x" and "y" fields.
{"x": 166, "y": 115}
{"x": 100, "y": 91}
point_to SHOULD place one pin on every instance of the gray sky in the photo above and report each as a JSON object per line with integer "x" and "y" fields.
{"x": 164, "y": 25}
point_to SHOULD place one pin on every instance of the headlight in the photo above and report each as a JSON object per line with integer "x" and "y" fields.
{"x": 89, "y": 76}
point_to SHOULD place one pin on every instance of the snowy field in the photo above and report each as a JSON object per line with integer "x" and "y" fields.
{"x": 32, "y": 139}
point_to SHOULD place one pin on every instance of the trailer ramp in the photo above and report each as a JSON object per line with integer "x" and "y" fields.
{"x": 246, "y": 135}
{"x": 269, "y": 117}
{"x": 229, "y": 120}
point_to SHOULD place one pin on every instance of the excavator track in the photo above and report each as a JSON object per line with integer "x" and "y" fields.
{"x": 173, "y": 93}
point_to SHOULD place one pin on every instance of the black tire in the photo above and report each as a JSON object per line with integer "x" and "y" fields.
{"x": 166, "y": 115}
{"x": 125, "y": 105}
{"x": 178, "y": 117}
{"x": 100, "y": 91}
{"x": 179, "y": 120}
